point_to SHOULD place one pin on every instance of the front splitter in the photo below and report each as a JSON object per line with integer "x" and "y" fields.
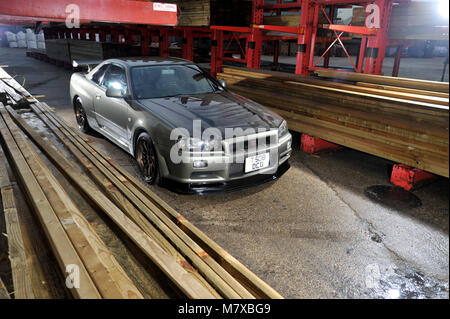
{"x": 224, "y": 187}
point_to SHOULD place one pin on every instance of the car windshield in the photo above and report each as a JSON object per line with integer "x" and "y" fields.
{"x": 152, "y": 82}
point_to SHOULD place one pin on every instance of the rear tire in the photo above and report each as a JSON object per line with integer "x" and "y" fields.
{"x": 80, "y": 115}
{"x": 147, "y": 159}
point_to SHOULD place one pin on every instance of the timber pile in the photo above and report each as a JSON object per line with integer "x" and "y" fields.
{"x": 58, "y": 49}
{"x": 66, "y": 51}
{"x": 290, "y": 20}
{"x": 191, "y": 261}
{"x": 213, "y": 12}
{"x": 402, "y": 120}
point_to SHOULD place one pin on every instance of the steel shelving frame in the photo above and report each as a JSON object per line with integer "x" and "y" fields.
{"x": 248, "y": 40}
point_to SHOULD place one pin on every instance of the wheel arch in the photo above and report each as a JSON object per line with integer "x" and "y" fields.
{"x": 137, "y": 132}
{"x": 76, "y": 96}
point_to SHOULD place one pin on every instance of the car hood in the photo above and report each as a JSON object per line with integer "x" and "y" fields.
{"x": 219, "y": 110}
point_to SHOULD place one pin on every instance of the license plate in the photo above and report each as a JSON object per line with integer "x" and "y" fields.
{"x": 257, "y": 162}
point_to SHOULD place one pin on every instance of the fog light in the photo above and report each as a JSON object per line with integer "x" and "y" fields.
{"x": 200, "y": 164}
{"x": 289, "y": 144}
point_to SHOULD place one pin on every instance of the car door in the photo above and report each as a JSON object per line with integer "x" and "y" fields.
{"x": 112, "y": 113}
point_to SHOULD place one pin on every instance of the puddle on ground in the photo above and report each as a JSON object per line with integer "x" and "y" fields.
{"x": 393, "y": 197}
{"x": 395, "y": 283}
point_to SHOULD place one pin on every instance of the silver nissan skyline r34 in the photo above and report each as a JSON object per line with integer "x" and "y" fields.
{"x": 183, "y": 127}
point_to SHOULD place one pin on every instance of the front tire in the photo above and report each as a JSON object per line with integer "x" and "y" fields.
{"x": 147, "y": 159}
{"x": 80, "y": 115}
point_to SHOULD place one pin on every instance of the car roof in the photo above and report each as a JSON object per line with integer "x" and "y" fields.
{"x": 146, "y": 61}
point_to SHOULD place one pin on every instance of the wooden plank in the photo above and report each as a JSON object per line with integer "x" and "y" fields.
{"x": 109, "y": 277}
{"x": 413, "y": 110}
{"x": 189, "y": 284}
{"x": 408, "y": 129}
{"x": 424, "y": 129}
{"x": 261, "y": 289}
{"x": 442, "y": 87}
{"x": 370, "y": 147}
{"x": 424, "y": 160}
{"x": 3, "y": 292}
{"x": 221, "y": 280}
{"x": 16, "y": 250}
{"x": 381, "y": 131}
{"x": 329, "y": 85}
{"x": 62, "y": 247}
{"x": 403, "y": 90}
{"x": 66, "y": 167}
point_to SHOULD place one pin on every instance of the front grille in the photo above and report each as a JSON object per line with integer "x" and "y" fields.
{"x": 252, "y": 143}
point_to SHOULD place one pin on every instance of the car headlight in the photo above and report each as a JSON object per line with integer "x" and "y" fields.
{"x": 196, "y": 145}
{"x": 282, "y": 129}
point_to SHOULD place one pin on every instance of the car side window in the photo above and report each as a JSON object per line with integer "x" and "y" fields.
{"x": 98, "y": 76}
{"x": 115, "y": 77}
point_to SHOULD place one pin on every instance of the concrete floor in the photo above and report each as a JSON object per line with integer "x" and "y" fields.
{"x": 311, "y": 234}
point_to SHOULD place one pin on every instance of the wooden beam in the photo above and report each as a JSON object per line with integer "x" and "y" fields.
{"x": 182, "y": 277}
{"x": 61, "y": 245}
{"x": 3, "y": 292}
{"x": 107, "y": 274}
{"x": 220, "y": 280}
{"x": 399, "y": 126}
{"x": 148, "y": 208}
{"x": 377, "y": 91}
{"x": 385, "y": 80}
{"x": 16, "y": 250}
{"x": 403, "y": 90}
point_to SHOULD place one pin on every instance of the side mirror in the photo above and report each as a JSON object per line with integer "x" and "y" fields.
{"x": 114, "y": 92}
{"x": 223, "y": 83}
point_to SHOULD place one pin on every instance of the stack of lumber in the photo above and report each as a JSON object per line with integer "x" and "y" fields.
{"x": 92, "y": 50}
{"x": 290, "y": 20}
{"x": 195, "y": 265}
{"x": 214, "y": 12}
{"x": 58, "y": 49}
{"x": 67, "y": 50}
{"x": 402, "y": 120}
{"x": 414, "y": 21}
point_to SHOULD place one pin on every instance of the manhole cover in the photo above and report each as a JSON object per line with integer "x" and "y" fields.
{"x": 392, "y": 196}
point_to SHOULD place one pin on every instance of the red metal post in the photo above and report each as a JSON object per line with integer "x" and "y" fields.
{"x": 276, "y": 52}
{"x": 114, "y": 36}
{"x": 362, "y": 53}
{"x": 216, "y": 52}
{"x": 188, "y": 45}
{"x": 102, "y": 34}
{"x": 254, "y": 47}
{"x": 92, "y": 34}
{"x": 398, "y": 56}
{"x": 145, "y": 42}
{"x": 163, "y": 43}
{"x": 326, "y": 59}
{"x": 312, "y": 46}
{"x": 254, "y": 42}
{"x": 304, "y": 41}
{"x": 276, "y": 44}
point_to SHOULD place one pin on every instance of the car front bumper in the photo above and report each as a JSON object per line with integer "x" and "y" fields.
{"x": 226, "y": 174}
